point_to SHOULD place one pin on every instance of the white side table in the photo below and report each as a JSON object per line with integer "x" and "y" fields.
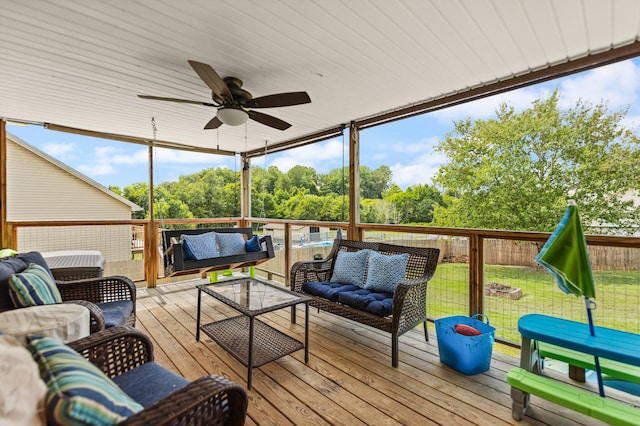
{"x": 64, "y": 321}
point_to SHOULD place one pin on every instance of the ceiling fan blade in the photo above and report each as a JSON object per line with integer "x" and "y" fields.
{"x": 268, "y": 120}
{"x": 214, "y": 123}
{"x": 213, "y": 80}
{"x": 184, "y": 101}
{"x": 278, "y": 100}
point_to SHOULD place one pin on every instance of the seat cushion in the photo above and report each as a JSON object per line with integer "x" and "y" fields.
{"x": 198, "y": 247}
{"x": 349, "y": 267}
{"x": 376, "y": 303}
{"x": 116, "y": 313}
{"x": 149, "y": 383}
{"x": 327, "y": 290}
{"x": 78, "y": 393}
{"x": 12, "y": 265}
{"x": 33, "y": 286}
{"x": 231, "y": 243}
{"x": 386, "y": 271}
{"x": 253, "y": 244}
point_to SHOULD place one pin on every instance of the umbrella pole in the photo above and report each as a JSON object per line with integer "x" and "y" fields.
{"x": 589, "y": 304}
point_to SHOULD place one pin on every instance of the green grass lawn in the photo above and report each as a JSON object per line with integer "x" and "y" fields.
{"x": 617, "y": 297}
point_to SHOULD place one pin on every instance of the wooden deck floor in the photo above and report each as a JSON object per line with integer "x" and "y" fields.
{"x": 348, "y": 379}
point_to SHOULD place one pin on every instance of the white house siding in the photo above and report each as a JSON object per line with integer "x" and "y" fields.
{"x": 41, "y": 190}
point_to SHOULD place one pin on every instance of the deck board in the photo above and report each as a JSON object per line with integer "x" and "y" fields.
{"x": 348, "y": 379}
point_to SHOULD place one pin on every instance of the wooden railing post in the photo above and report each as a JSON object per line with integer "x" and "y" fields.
{"x": 287, "y": 253}
{"x": 354, "y": 182}
{"x": 476, "y": 274}
{"x": 5, "y": 234}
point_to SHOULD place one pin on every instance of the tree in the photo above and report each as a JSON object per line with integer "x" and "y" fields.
{"x": 138, "y": 193}
{"x": 517, "y": 171}
{"x": 374, "y": 182}
{"x": 416, "y": 204}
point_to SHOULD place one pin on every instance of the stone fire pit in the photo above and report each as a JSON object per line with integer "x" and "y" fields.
{"x": 502, "y": 290}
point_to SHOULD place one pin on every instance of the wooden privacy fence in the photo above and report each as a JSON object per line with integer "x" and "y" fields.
{"x": 496, "y": 252}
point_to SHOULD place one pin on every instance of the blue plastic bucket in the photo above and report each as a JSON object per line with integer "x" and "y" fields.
{"x": 467, "y": 354}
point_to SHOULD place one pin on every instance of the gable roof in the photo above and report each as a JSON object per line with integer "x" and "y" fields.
{"x": 134, "y": 207}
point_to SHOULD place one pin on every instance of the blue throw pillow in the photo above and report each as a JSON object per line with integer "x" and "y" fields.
{"x": 253, "y": 244}
{"x": 198, "y": 247}
{"x": 78, "y": 393}
{"x": 386, "y": 272}
{"x": 231, "y": 243}
{"x": 33, "y": 286}
{"x": 349, "y": 267}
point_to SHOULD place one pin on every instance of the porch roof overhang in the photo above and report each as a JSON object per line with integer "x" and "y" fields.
{"x": 78, "y": 65}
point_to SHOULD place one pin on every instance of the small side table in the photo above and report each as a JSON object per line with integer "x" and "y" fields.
{"x": 63, "y": 321}
{"x": 66, "y": 265}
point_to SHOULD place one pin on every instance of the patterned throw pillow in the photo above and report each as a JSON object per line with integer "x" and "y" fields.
{"x": 386, "y": 272}
{"x": 253, "y": 244}
{"x": 78, "y": 393}
{"x": 349, "y": 267}
{"x": 198, "y": 247}
{"x": 33, "y": 286}
{"x": 231, "y": 243}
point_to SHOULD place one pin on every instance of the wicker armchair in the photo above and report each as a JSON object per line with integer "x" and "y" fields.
{"x": 114, "y": 296}
{"x": 409, "y": 297}
{"x": 100, "y": 293}
{"x": 210, "y": 400}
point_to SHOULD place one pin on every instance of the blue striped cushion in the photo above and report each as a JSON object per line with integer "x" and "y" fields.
{"x": 33, "y": 286}
{"x": 78, "y": 393}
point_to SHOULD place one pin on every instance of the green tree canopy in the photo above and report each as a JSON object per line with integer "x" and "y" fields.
{"x": 517, "y": 171}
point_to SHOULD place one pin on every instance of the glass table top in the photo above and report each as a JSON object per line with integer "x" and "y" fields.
{"x": 251, "y": 294}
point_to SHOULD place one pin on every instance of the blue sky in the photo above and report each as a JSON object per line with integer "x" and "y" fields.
{"x": 406, "y": 146}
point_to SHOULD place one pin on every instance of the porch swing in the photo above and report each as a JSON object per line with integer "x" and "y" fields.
{"x": 239, "y": 251}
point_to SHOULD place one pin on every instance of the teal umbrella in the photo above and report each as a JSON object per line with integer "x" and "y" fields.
{"x": 566, "y": 257}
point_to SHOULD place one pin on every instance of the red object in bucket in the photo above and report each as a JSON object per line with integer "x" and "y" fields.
{"x": 466, "y": 330}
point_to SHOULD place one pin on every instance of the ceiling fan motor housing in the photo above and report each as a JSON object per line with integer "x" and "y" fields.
{"x": 240, "y": 95}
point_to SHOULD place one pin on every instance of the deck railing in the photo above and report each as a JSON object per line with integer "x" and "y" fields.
{"x": 480, "y": 271}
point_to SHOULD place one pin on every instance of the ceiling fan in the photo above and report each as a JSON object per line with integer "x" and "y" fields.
{"x": 235, "y": 104}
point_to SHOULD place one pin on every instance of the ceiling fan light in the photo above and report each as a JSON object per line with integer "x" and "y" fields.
{"x": 232, "y": 116}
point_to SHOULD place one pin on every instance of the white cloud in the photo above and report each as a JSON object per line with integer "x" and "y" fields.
{"x": 419, "y": 171}
{"x": 616, "y": 84}
{"x": 98, "y": 169}
{"x": 186, "y": 157}
{"x": 486, "y": 107}
{"x": 321, "y": 156}
{"x": 59, "y": 150}
{"x": 138, "y": 157}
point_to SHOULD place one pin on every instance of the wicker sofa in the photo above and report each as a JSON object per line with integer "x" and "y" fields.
{"x": 111, "y": 300}
{"x": 176, "y": 262}
{"x": 125, "y": 355}
{"x": 407, "y": 303}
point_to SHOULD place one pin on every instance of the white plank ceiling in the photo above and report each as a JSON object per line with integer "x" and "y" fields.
{"x": 81, "y": 63}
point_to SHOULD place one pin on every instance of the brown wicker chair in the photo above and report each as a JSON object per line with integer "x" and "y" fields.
{"x": 100, "y": 290}
{"x": 409, "y": 298}
{"x": 210, "y": 400}
{"x": 91, "y": 292}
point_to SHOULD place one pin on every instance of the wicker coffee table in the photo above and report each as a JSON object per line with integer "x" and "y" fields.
{"x": 249, "y": 340}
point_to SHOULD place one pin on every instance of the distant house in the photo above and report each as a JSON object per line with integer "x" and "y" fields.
{"x": 299, "y": 234}
{"x": 41, "y": 188}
